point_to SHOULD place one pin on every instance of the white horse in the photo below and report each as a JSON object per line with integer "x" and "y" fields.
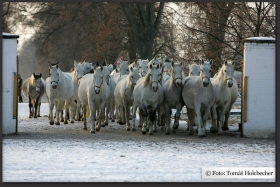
{"x": 33, "y": 88}
{"x": 94, "y": 92}
{"x": 77, "y": 73}
{"x": 122, "y": 71}
{"x": 59, "y": 88}
{"x": 88, "y": 67}
{"x": 173, "y": 99}
{"x": 194, "y": 70}
{"x": 143, "y": 67}
{"x": 110, "y": 104}
{"x": 198, "y": 95}
{"x": 148, "y": 96}
{"x": 226, "y": 92}
{"x": 123, "y": 95}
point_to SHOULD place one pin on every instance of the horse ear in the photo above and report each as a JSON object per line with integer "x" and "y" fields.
{"x": 75, "y": 63}
{"x": 105, "y": 61}
{"x": 57, "y": 64}
{"x": 97, "y": 63}
{"x": 211, "y": 62}
{"x": 225, "y": 62}
{"x": 172, "y": 63}
{"x": 131, "y": 68}
{"x": 101, "y": 67}
{"x": 232, "y": 63}
{"x": 33, "y": 75}
{"x": 202, "y": 62}
{"x": 151, "y": 65}
{"x": 40, "y": 74}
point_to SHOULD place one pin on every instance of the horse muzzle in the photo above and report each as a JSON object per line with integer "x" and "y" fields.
{"x": 54, "y": 86}
{"x": 97, "y": 89}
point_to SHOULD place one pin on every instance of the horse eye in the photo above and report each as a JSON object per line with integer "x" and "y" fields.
{"x": 210, "y": 71}
{"x": 132, "y": 77}
{"x": 225, "y": 70}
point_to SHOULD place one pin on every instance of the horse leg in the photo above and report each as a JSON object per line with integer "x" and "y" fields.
{"x": 101, "y": 116}
{"x": 30, "y": 108}
{"x": 51, "y": 106}
{"x": 177, "y": 117}
{"x": 191, "y": 116}
{"x": 213, "y": 128}
{"x": 36, "y": 105}
{"x": 227, "y": 114}
{"x": 92, "y": 115}
{"x": 152, "y": 119}
{"x": 66, "y": 109}
{"x": 59, "y": 110}
{"x": 38, "y": 108}
{"x": 107, "y": 111}
{"x": 122, "y": 115}
{"x": 167, "y": 120}
{"x": 127, "y": 115}
{"x": 140, "y": 117}
{"x": 85, "y": 118}
{"x": 117, "y": 113}
{"x": 134, "y": 108}
{"x": 113, "y": 106}
{"x": 201, "y": 130}
{"x": 222, "y": 118}
{"x": 145, "y": 115}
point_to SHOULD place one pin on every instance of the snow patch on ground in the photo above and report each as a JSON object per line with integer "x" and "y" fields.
{"x": 67, "y": 153}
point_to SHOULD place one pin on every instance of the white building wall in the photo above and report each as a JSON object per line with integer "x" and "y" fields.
{"x": 9, "y": 67}
{"x": 259, "y": 67}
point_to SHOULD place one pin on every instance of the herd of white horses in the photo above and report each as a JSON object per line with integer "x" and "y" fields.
{"x": 153, "y": 88}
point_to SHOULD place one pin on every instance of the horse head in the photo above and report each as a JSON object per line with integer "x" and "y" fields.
{"x": 227, "y": 71}
{"x": 98, "y": 79}
{"x": 54, "y": 74}
{"x": 205, "y": 71}
{"x": 155, "y": 76}
{"x": 167, "y": 66}
{"x": 124, "y": 68}
{"x": 194, "y": 70}
{"x": 37, "y": 82}
{"x": 176, "y": 73}
{"x": 133, "y": 75}
{"x": 79, "y": 70}
{"x": 143, "y": 67}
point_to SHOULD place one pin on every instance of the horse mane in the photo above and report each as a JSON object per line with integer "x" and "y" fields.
{"x": 147, "y": 79}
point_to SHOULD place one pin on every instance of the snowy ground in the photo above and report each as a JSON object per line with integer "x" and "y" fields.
{"x": 67, "y": 153}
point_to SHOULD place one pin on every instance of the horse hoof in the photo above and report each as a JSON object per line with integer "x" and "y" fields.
{"x": 97, "y": 129}
{"x": 72, "y": 122}
{"x": 155, "y": 131}
{"x": 103, "y": 125}
{"x": 65, "y": 122}
{"x": 175, "y": 127}
{"x": 128, "y": 129}
{"x": 225, "y": 128}
{"x": 167, "y": 133}
{"x": 35, "y": 116}
{"x": 190, "y": 133}
{"x": 38, "y": 116}
{"x": 133, "y": 129}
{"x": 92, "y": 132}
{"x": 113, "y": 120}
{"x": 201, "y": 136}
{"x": 121, "y": 123}
{"x": 151, "y": 133}
{"x": 143, "y": 132}
{"x": 173, "y": 131}
{"x": 85, "y": 128}
{"x": 62, "y": 120}
{"x": 51, "y": 123}
{"x": 57, "y": 123}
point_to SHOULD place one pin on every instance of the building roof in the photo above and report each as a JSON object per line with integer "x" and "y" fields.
{"x": 9, "y": 35}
